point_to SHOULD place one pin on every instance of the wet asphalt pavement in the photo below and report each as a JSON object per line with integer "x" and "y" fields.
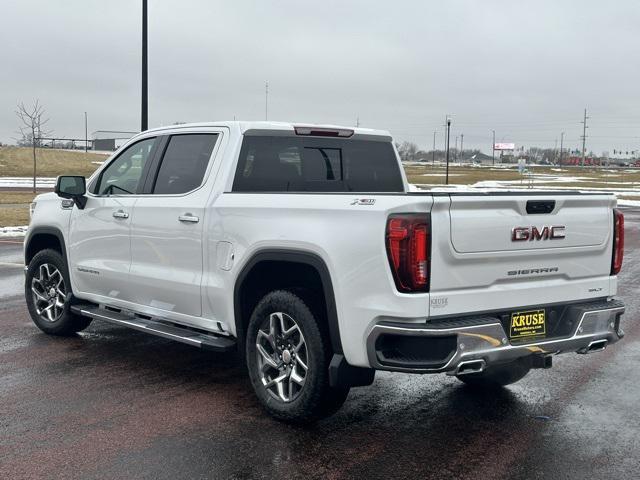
{"x": 115, "y": 403}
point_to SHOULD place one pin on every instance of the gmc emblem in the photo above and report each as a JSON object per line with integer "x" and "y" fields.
{"x": 522, "y": 234}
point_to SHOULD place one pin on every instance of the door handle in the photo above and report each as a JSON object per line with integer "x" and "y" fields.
{"x": 120, "y": 214}
{"x": 188, "y": 218}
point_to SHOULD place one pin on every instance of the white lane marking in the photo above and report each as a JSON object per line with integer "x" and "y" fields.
{"x": 11, "y": 264}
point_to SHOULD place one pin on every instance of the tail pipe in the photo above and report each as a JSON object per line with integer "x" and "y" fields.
{"x": 471, "y": 366}
{"x": 595, "y": 346}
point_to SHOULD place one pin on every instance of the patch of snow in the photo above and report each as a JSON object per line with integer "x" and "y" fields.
{"x": 628, "y": 203}
{"x": 13, "y": 231}
{"x": 26, "y": 182}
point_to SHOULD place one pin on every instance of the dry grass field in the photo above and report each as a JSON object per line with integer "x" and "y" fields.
{"x": 13, "y": 216}
{"x": 14, "y": 208}
{"x": 18, "y": 162}
{"x": 12, "y": 198}
{"x": 625, "y": 180}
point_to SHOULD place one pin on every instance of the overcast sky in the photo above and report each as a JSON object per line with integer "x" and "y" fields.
{"x": 524, "y": 68}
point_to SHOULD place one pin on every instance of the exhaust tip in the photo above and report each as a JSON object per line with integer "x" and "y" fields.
{"x": 470, "y": 366}
{"x": 595, "y": 346}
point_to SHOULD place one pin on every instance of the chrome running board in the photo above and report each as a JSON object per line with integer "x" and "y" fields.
{"x": 196, "y": 338}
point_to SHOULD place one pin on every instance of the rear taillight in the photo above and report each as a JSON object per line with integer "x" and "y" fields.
{"x": 408, "y": 251}
{"x": 618, "y": 241}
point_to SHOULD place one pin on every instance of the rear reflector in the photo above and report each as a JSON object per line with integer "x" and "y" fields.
{"x": 407, "y": 240}
{"x": 618, "y": 241}
{"x": 323, "y": 132}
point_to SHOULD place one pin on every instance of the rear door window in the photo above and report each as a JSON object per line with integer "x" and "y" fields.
{"x": 308, "y": 164}
{"x": 184, "y": 163}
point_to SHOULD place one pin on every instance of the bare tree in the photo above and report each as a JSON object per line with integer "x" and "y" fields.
{"x": 32, "y": 129}
{"x": 407, "y": 151}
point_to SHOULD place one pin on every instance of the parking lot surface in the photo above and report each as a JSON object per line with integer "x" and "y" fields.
{"x": 114, "y": 403}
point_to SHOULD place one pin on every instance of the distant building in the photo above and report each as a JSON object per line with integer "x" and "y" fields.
{"x": 577, "y": 160}
{"x": 104, "y": 144}
{"x": 109, "y": 140}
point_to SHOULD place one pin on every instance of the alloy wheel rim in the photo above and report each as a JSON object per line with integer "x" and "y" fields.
{"x": 282, "y": 359}
{"x": 48, "y": 292}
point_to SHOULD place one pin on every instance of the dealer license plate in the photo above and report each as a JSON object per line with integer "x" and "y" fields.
{"x": 530, "y": 323}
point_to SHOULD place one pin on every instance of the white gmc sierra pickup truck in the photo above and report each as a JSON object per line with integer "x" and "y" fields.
{"x": 303, "y": 248}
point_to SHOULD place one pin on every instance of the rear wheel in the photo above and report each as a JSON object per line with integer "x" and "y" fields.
{"x": 288, "y": 360}
{"x": 498, "y": 375}
{"x": 48, "y": 291}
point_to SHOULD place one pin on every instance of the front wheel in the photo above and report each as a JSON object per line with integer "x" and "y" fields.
{"x": 498, "y": 375}
{"x": 47, "y": 292}
{"x": 288, "y": 360}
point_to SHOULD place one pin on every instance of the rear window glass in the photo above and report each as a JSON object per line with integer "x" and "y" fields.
{"x": 308, "y": 164}
{"x": 184, "y": 163}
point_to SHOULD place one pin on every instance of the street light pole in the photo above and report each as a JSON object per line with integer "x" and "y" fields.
{"x": 448, "y": 135}
{"x": 86, "y": 137}
{"x": 144, "y": 120}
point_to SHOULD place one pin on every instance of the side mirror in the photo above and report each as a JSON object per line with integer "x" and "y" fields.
{"x": 73, "y": 187}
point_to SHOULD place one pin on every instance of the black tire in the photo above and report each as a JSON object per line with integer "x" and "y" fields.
{"x": 63, "y": 322}
{"x": 498, "y": 375}
{"x": 316, "y": 398}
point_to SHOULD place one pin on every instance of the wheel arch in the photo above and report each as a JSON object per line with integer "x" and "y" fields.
{"x": 41, "y": 238}
{"x": 291, "y": 258}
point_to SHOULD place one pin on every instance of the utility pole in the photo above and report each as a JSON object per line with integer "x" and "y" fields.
{"x": 144, "y": 121}
{"x": 561, "y": 143}
{"x": 448, "y": 135}
{"x": 357, "y": 121}
{"x": 433, "y": 152}
{"x": 266, "y": 100}
{"x": 455, "y": 151}
{"x": 493, "y": 149}
{"x": 86, "y": 136}
{"x": 584, "y": 134}
{"x": 461, "y": 146}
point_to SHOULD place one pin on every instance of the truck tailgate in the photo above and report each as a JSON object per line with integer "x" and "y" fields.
{"x": 494, "y": 224}
{"x": 489, "y": 252}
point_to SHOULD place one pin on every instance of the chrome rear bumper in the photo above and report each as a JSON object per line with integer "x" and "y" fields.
{"x": 472, "y": 347}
